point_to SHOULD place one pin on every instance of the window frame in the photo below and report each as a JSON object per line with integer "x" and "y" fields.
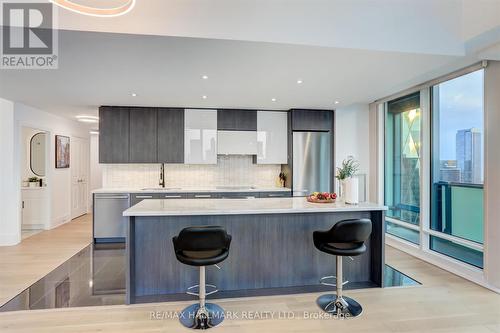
{"x": 427, "y": 231}
{"x": 423, "y": 249}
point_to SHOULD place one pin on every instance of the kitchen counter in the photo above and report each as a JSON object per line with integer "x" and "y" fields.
{"x": 212, "y": 189}
{"x": 189, "y": 207}
{"x": 272, "y": 249}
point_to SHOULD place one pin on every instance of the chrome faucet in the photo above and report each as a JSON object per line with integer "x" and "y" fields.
{"x": 162, "y": 175}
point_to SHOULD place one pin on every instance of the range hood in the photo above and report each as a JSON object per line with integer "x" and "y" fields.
{"x": 237, "y": 142}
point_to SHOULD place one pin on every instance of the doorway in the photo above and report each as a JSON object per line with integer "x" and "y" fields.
{"x": 79, "y": 176}
{"x": 35, "y": 195}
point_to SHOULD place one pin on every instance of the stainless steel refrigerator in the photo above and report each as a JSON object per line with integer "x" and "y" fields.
{"x": 311, "y": 162}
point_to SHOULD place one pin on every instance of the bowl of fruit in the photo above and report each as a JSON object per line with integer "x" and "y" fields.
{"x": 322, "y": 197}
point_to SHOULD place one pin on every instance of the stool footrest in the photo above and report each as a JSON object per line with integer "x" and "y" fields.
{"x": 197, "y": 293}
{"x": 324, "y": 281}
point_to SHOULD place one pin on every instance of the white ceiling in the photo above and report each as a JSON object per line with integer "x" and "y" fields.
{"x": 417, "y": 26}
{"x": 351, "y": 51}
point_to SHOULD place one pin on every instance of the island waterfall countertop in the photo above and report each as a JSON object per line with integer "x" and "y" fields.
{"x": 190, "y": 207}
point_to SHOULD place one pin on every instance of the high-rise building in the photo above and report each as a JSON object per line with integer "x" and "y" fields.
{"x": 448, "y": 172}
{"x": 469, "y": 159}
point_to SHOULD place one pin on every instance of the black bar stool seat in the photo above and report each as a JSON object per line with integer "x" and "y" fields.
{"x": 345, "y": 239}
{"x": 201, "y": 247}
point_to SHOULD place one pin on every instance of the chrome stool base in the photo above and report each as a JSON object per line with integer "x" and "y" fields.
{"x": 195, "y": 318}
{"x": 341, "y": 307}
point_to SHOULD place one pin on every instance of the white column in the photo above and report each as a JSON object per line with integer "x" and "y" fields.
{"x": 10, "y": 214}
{"x": 492, "y": 174}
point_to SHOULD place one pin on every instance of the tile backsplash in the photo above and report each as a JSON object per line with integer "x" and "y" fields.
{"x": 229, "y": 170}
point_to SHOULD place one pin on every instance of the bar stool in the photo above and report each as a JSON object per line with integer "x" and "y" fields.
{"x": 345, "y": 238}
{"x": 201, "y": 247}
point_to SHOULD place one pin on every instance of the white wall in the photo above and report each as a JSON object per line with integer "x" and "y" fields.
{"x": 10, "y": 217}
{"x": 58, "y": 180}
{"x": 352, "y": 137}
{"x": 492, "y": 175}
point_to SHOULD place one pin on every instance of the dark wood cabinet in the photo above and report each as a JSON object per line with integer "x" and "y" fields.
{"x": 114, "y": 134}
{"x": 236, "y": 120}
{"x": 170, "y": 135}
{"x": 143, "y": 135}
{"x": 312, "y": 120}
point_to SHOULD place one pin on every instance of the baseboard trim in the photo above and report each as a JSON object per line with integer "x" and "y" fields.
{"x": 59, "y": 221}
{"x": 33, "y": 226}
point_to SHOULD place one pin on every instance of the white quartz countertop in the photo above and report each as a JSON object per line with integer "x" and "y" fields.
{"x": 168, "y": 189}
{"x": 186, "y": 207}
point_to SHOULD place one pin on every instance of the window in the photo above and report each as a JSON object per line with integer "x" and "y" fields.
{"x": 402, "y": 167}
{"x": 457, "y": 168}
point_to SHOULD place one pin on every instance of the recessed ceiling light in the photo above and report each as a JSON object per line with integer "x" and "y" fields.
{"x": 133, "y": 94}
{"x": 204, "y": 97}
{"x": 336, "y": 102}
{"x": 204, "y": 77}
{"x": 273, "y": 99}
{"x": 87, "y": 119}
{"x": 299, "y": 81}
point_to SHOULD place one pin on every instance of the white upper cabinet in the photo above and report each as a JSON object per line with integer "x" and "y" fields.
{"x": 272, "y": 137}
{"x": 200, "y": 136}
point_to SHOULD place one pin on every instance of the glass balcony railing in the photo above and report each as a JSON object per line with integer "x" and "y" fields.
{"x": 458, "y": 210}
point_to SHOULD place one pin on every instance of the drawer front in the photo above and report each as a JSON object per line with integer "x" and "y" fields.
{"x": 239, "y": 195}
{"x": 203, "y": 195}
{"x": 275, "y": 194}
{"x": 135, "y": 198}
{"x": 171, "y": 196}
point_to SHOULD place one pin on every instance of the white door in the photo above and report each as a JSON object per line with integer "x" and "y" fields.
{"x": 79, "y": 176}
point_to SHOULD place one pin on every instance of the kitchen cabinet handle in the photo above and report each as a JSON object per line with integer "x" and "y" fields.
{"x": 202, "y": 196}
{"x": 144, "y": 196}
{"x": 173, "y": 196}
{"x": 275, "y": 195}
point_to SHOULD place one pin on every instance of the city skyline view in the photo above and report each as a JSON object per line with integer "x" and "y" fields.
{"x": 468, "y": 166}
{"x": 459, "y": 114}
{"x": 460, "y": 106}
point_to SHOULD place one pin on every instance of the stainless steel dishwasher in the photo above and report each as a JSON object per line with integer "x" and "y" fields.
{"x": 109, "y": 223}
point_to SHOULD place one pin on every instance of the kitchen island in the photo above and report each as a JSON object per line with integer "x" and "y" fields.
{"x": 271, "y": 252}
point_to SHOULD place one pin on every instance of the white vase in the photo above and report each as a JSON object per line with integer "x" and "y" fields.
{"x": 351, "y": 194}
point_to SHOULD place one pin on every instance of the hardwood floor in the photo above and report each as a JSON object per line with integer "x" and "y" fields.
{"x": 444, "y": 303}
{"x": 24, "y": 264}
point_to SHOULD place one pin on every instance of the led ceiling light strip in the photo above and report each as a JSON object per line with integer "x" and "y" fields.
{"x": 92, "y": 11}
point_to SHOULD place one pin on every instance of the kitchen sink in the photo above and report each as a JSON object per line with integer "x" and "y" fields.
{"x": 160, "y": 188}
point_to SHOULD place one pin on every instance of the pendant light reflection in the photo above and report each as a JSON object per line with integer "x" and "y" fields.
{"x": 93, "y": 11}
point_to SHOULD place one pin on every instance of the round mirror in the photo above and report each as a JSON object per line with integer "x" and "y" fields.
{"x": 37, "y": 154}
